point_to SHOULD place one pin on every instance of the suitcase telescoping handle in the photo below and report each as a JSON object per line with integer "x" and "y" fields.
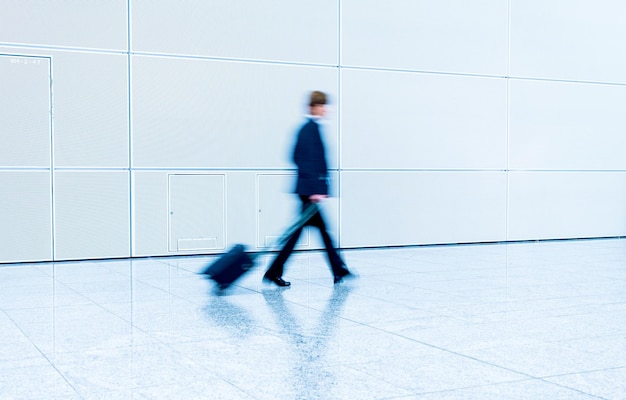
{"x": 304, "y": 217}
{"x": 310, "y": 210}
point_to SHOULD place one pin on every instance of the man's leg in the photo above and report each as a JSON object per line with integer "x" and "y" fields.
{"x": 337, "y": 265}
{"x": 275, "y": 272}
{"x": 277, "y": 267}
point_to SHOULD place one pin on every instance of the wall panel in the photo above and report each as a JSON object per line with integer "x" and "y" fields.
{"x": 274, "y": 30}
{"x": 567, "y": 126}
{"x": 411, "y": 120}
{"x": 90, "y": 110}
{"x": 25, "y": 216}
{"x": 212, "y": 114}
{"x": 84, "y": 24}
{"x": 92, "y": 214}
{"x": 410, "y": 207}
{"x": 444, "y": 36}
{"x": 149, "y": 213}
{"x": 547, "y": 205}
{"x": 571, "y": 40}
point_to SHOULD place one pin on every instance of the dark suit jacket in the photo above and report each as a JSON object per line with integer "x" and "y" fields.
{"x": 310, "y": 158}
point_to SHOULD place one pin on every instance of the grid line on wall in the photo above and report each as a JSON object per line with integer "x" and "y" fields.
{"x": 339, "y": 130}
{"x": 507, "y": 138}
{"x": 52, "y": 180}
{"x": 131, "y": 194}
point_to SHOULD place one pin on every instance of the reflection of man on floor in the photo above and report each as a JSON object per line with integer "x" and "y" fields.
{"x": 311, "y": 378}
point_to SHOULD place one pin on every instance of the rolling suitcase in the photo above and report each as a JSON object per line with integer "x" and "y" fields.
{"x": 236, "y": 262}
{"x": 230, "y": 266}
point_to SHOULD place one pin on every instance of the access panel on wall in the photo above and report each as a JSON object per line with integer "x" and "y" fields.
{"x": 197, "y": 212}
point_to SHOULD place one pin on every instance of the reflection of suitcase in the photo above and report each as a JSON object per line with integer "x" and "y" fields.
{"x": 236, "y": 262}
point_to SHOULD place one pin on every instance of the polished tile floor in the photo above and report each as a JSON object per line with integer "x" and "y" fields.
{"x": 542, "y": 320}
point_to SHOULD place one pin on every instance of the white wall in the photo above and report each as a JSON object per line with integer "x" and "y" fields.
{"x": 138, "y": 128}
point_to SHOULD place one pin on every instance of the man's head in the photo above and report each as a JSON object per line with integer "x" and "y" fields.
{"x": 317, "y": 104}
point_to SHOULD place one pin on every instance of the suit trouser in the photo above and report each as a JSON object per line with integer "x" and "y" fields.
{"x": 337, "y": 265}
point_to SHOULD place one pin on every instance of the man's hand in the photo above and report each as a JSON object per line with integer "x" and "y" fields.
{"x": 316, "y": 198}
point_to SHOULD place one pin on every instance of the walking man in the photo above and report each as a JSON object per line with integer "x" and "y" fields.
{"x": 312, "y": 187}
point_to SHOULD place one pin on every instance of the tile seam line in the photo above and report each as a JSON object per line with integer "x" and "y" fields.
{"x": 583, "y": 372}
{"x": 60, "y": 374}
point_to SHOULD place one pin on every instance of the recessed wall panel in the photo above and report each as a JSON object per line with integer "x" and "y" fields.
{"x": 25, "y": 216}
{"x": 90, "y": 110}
{"x": 197, "y": 212}
{"x": 548, "y": 205}
{"x": 25, "y": 106}
{"x": 572, "y": 40}
{"x": 411, "y": 120}
{"x": 85, "y": 24}
{"x": 277, "y": 30}
{"x": 408, "y": 208}
{"x": 565, "y": 125}
{"x": 91, "y": 214}
{"x": 444, "y": 36}
{"x": 213, "y": 114}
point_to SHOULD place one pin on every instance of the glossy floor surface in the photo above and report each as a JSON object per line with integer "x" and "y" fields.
{"x": 542, "y": 320}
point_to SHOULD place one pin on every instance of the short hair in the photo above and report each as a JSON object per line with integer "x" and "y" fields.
{"x": 317, "y": 98}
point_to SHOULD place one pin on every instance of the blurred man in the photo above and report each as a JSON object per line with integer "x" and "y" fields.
{"x": 312, "y": 187}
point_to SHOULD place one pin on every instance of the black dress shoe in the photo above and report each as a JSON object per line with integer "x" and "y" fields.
{"x": 277, "y": 280}
{"x": 339, "y": 278}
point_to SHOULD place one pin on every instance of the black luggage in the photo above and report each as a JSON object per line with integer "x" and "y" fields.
{"x": 230, "y": 266}
{"x": 236, "y": 262}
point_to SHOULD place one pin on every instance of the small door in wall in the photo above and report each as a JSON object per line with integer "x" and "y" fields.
{"x": 197, "y": 212}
